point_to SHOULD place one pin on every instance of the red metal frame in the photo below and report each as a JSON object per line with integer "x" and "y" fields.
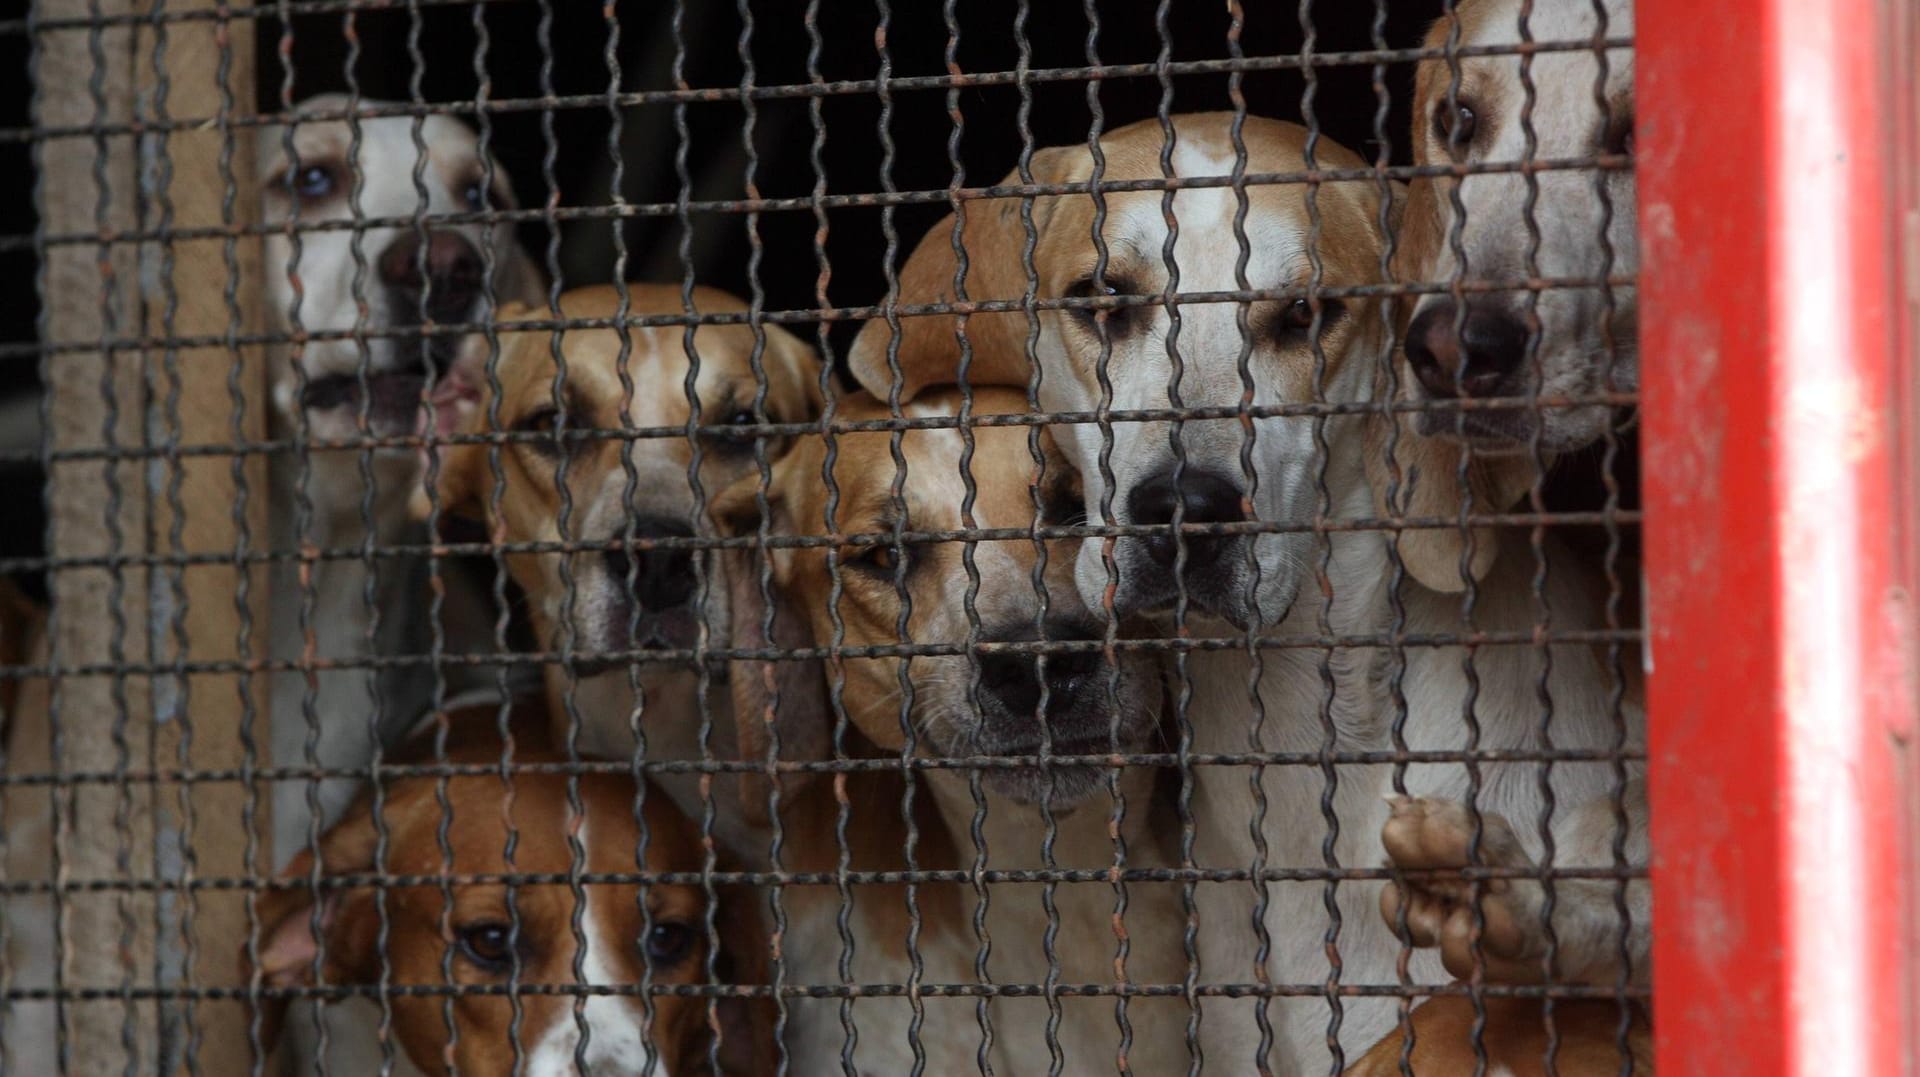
{"x": 1778, "y": 412}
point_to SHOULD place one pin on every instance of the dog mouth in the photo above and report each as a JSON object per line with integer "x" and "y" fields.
{"x": 394, "y": 404}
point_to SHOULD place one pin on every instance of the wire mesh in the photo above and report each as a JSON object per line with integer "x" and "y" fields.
{"x": 788, "y": 538}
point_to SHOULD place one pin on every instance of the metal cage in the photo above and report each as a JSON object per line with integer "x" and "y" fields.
{"x": 798, "y": 537}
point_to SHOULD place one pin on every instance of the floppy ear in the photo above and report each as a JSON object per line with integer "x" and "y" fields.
{"x": 994, "y": 238}
{"x": 1428, "y": 484}
{"x": 465, "y": 478}
{"x": 288, "y": 946}
{"x": 784, "y": 699}
{"x": 746, "y": 1024}
{"x": 793, "y": 377}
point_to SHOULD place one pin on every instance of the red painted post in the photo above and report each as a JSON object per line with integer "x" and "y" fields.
{"x": 1777, "y": 410}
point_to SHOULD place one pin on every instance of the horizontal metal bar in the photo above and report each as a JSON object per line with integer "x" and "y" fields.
{"x": 828, "y": 991}
{"x": 851, "y": 87}
{"x": 730, "y": 432}
{"x": 1159, "y": 760}
{"x": 1099, "y": 876}
{"x": 809, "y": 316}
{"x": 681, "y": 657}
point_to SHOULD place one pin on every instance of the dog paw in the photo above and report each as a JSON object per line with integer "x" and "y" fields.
{"x": 1431, "y": 838}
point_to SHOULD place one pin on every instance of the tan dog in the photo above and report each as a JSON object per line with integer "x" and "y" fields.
{"x": 1515, "y": 1043}
{"x": 1477, "y": 344}
{"x": 488, "y": 936}
{"x": 375, "y": 280}
{"x": 1010, "y": 709}
{"x": 625, "y": 494}
{"x": 1298, "y": 470}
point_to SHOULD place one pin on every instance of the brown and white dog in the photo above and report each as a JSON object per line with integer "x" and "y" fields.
{"x": 1481, "y": 225}
{"x": 568, "y": 474}
{"x": 1582, "y": 1040}
{"x": 482, "y": 933}
{"x": 1002, "y": 710}
{"x": 371, "y": 280}
{"x": 1297, "y": 580}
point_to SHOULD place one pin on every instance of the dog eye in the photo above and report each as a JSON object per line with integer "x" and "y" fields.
{"x": 545, "y": 421}
{"x": 1298, "y": 317}
{"x": 488, "y": 944}
{"x": 669, "y": 943}
{"x": 743, "y": 417}
{"x": 478, "y": 197}
{"x": 1120, "y": 320}
{"x": 878, "y": 560}
{"x": 314, "y": 182}
{"x": 1455, "y": 126}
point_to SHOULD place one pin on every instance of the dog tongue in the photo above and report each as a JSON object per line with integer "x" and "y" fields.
{"x": 454, "y": 398}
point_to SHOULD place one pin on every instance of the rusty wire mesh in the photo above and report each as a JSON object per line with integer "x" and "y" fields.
{"x": 791, "y": 154}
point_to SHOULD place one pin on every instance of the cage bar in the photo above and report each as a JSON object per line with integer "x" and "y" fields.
{"x": 1779, "y": 564}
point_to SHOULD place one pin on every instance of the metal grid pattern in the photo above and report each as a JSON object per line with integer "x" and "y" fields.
{"x": 764, "y": 210}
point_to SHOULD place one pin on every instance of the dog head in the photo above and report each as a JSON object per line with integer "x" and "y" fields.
{"x": 1005, "y": 702}
{"x": 484, "y": 935}
{"x": 1282, "y": 351}
{"x": 384, "y": 276}
{"x": 570, "y": 475}
{"x": 1581, "y": 340}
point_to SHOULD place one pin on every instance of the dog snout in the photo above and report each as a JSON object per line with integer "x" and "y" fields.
{"x": 662, "y": 577}
{"x": 1208, "y": 498}
{"x": 1478, "y": 356}
{"x": 1013, "y": 678}
{"x": 446, "y": 275}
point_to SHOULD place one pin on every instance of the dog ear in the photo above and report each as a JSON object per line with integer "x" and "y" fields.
{"x": 746, "y": 1024}
{"x": 793, "y": 377}
{"x": 288, "y": 946}
{"x": 1426, "y": 482}
{"x": 784, "y": 699}
{"x": 465, "y": 477}
{"x": 994, "y": 238}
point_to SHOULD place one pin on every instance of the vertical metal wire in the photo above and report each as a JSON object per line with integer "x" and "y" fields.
{"x": 302, "y": 523}
{"x": 1543, "y": 612}
{"x": 1323, "y": 456}
{"x": 1469, "y": 591}
{"x": 636, "y": 719}
{"x": 116, "y": 545}
{"x": 1176, "y": 442}
{"x": 756, "y": 361}
{"x": 835, "y": 665}
{"x": 897, "y": 500}
{"x": 172, "y": 695}
{"x": 1250, "y": 475}
{"x": 1610, "y": 455}
{"x": 1388, "y": 387}
{"x": 983, "y": 939}
{"x": 489, "y": 262}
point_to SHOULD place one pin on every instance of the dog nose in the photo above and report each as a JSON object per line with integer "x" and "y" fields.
{"x": 662, "y": 578}
{"x": 1209, "y": 499}
{"x": 451, "y": 279}
{"x": 1479, "y": 360}
{"x": 1012, "y": 678}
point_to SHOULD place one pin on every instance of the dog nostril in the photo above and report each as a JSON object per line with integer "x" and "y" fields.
{"x": 1207, "y": 498}
{"x": 661, "y": 578}
{"x": 452, "y": 277}
{"x": 1473, "y": 357}
{"x": 1012, "y": 679}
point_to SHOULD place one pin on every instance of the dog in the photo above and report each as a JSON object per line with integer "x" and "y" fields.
{"x": 1475, "y": 226}
{"x": 29, "y": 1028}
{"x": 626, "y": 494}
{"x": 1565, "y": 342}
{"x": 482, "y": 934}
{"x": 337, "y": 496}
{"x": 1004, "y": 704}
{"x": 1299, "y": 469}
{"x": 1586, "y": 1041}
